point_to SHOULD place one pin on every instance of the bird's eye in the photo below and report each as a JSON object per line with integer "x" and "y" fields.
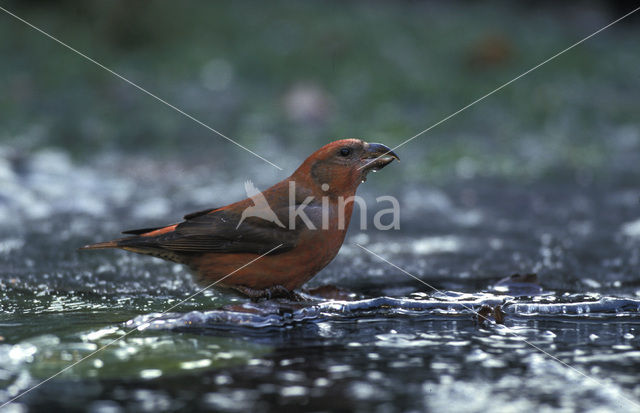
{"x": 345, "y": 151}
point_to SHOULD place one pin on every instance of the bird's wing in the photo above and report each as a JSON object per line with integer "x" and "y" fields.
{"x": 140, "y": 231}
{"x": 260, "y": 201}
{"x": 216, "y": 232}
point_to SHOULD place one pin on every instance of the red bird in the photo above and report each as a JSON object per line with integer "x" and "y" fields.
{"x": 299, "y": 223}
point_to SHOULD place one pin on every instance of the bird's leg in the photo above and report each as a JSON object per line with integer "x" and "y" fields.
{"x": 249, "y": 292}
{"x": 290, "y": 295}
{"x": 277, "y": 291}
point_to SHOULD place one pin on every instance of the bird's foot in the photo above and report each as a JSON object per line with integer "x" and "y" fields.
{"x": 277, "y": 291}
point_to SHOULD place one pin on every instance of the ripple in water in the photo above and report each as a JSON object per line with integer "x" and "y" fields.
{"x": 281, "y": 314}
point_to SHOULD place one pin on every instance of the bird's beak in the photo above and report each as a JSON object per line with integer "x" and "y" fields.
{"x": 376, "y": 156}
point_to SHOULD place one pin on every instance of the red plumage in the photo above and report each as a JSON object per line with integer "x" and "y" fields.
{"x": 217, "y": 242}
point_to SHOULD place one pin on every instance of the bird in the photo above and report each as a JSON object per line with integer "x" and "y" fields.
{"x": 269, "y": 255}
{"x": 261, "y": 206}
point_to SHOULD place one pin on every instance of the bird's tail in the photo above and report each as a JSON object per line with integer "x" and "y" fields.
{"x": 100, "y": 245}
{"x": 140, "y": 245}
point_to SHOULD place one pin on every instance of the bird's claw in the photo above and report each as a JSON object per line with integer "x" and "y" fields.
{"x": 277, "y": 291}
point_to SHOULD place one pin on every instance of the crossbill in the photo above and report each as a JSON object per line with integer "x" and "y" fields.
{"x": 274, "y": 241}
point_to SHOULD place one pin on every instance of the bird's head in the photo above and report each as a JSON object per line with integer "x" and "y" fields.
{"x": 344, "y": 164}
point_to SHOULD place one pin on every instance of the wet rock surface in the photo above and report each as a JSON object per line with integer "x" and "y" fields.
{"x": 559, "y": 261}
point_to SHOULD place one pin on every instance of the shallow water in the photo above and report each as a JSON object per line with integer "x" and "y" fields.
{"x": 570, "y": 342}
{"x": 382, "y": 353}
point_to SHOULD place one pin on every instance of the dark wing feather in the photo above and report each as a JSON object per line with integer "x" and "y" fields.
{"x": 140, "y": 231}
{"x": 216, "y": 232}
{"x": 192, "y": 215}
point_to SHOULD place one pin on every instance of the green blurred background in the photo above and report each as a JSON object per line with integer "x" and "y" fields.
{"x": 283, "y": 78}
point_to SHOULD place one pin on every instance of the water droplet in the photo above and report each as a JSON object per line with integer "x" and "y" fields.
{"x": 150, "y": 373}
